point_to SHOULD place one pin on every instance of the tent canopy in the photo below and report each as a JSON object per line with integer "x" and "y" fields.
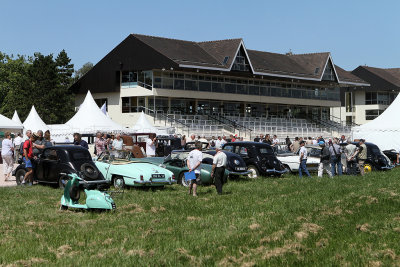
{"x": 9, "y": 125}
{"x": 89, "y": 119}
{"x": 143, "y": 125}
{"x": 384, "y": 131}
{"x": 16, "y": 118}
{"x": 33, "y": 122}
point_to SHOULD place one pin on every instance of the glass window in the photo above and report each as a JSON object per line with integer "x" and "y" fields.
{"x": 372, "y": 114}
{"x": 230, "y": 88}
{"x": 217, "y": 87}
{"x": 80, "y": 155}
{"x": 254, "y": 90}
{"x": 205, "y": 86}
{"x": 191, "y": 85}
{"x": 179, "y": 84}
{"x": 167, "y": 83}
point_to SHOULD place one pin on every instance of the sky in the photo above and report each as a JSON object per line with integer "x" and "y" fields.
{"x": 364, "y": 32}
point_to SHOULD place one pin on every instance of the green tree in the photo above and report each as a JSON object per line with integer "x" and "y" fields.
{"x": 83, "y": 70}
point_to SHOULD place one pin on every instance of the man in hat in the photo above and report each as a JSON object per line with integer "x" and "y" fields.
{"x": 361, "y": 152}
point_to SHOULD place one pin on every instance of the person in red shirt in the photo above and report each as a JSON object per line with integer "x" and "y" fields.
{"x": 28, "y": 156}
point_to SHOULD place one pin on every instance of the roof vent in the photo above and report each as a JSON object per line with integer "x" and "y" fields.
{"x": 316, "y": 70}
{"x": 226, "y": 60}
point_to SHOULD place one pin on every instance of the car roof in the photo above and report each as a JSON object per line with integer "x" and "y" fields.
{"x": 247, "y": 143}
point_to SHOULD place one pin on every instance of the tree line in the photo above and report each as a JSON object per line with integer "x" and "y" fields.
{"x": 40, "y": 80}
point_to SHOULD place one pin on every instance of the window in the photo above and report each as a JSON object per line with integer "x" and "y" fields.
{"x": 372, "y": 114}
{"x": 80, "y": 155}
{"x": 226, "y": 60}
{"x": 329, "y": 74}
{"x": 383, "y": 98}
{"x": 50, "y": 154}
{"x": 241, "y": 63}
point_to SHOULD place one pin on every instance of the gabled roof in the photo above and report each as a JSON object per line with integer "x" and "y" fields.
{"x": 347, "y": 77}
{"x": 390, "y": 75}
{"x": 219, "y": 55}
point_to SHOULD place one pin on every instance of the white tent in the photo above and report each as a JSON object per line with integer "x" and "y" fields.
{"x": 384, "y": 131}
{"x": 144, "y": 126}
{"x": 89, "y": 119}
{"x": 16, "y": 118}
{"x": 8, "y": 125}
{"x": 33, "y": 122}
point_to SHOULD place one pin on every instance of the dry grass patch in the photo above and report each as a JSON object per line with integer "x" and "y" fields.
{"x": 273, "y": 237}
{"x": 363, "y": 227}
{"x": 254, "y": 226}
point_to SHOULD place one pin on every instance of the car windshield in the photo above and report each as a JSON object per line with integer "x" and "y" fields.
{"x": 179, "y": 155}
{"x": 80, "y": 155}
{"x": 115, "y": 155}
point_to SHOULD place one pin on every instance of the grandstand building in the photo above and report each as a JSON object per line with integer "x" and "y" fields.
{"x": 216, "y": 87}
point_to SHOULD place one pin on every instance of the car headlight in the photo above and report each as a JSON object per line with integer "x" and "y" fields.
{"x": 236, "y": 162}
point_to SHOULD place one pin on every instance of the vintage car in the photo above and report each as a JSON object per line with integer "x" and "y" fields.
{"x": 376, "y": 160}
{"x": 235, "y": 164}
{"x": 259, "y": 158}
{"x": 291, "y": 160}
{"x": 176, "y": 163}
{"x": 121, "y": 170}
{"x": 64, "y": 159}
{"x": 393, "y": 155}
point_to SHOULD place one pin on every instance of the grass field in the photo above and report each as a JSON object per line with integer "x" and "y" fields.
{"x": 286, "y": 221}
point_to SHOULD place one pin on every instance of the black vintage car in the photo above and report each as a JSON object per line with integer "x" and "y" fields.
{"x": 259, "y": 158}
{"x": 392, "y": 154}
{"x": 64, "y": 159}
{"x": 235, "y": 163}
{"x": 376, "y": 160}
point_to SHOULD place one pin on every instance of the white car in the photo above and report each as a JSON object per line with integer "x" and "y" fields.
{"x": 291, "y": 160}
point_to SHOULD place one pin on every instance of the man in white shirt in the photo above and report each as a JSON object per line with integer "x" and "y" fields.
{"x": 303, "y": 160}
{"x": 218, "y": 142}
{"x": 275, "y": 141}
{"x": 223, "y": 141}
{"x": 218, "y": 169}
{"x": 193, "y": 162}
{"x": 118, "y": 143}
{"x": 17, "y": 145}
{"x": 151, "y": 145}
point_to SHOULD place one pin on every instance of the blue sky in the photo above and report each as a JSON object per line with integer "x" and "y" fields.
{"x": 355, "y": 32}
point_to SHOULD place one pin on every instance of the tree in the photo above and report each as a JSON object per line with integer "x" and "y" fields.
{"x": 83, "y": 70}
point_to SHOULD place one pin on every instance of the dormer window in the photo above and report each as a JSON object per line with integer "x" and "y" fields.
{"x": 241, "y": 63}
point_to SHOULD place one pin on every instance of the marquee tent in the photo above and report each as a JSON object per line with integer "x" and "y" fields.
{"x": 144, "y": 126}
{"x": 9, "y": 125}
{"x": 90, "y": 119}
{"x": 33, "y": 122}
{"x": 384, "y": 131}
{"x": 16, "y": 118}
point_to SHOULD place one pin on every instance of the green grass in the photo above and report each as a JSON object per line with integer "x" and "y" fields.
{"x": 285, "y": 221}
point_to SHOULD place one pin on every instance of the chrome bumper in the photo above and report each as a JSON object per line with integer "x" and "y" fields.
{"x": 276, "y": 171}
{"x": 239, "y": 173}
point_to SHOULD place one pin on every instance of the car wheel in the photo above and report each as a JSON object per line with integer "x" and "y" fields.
{"x": 183, "y": 180}
{"x": 119, "y": 182}
{"x": 253, "y": 172}
{"x": 62, "y": 181}
{"x": 19, "y": 176}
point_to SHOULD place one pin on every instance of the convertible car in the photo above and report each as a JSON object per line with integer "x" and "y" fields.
{"x": 176, "y": 163}
{"x": 122, "y": 170}
{"x": 64, "y": 159}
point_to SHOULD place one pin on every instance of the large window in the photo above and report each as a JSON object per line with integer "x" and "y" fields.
{"x": 232, "y": 85}
{"x": 372, "y": 114}
{"x": 133, "y": 104}
{"x": 134, "y": 78}
{"x": 100, "y": 102}
{"x": 240, "y": 63}
{"x": 383, "y": 98}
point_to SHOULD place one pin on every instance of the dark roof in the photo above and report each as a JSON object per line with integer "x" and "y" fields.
{"x": 379, "y": 78}
{"x": 219, "y": 55}
{"x": 348, "y": 77}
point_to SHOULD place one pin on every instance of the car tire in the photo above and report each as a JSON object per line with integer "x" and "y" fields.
{"x": 119, "y": 182}
{"x": 254, "y": 172}
{"x": 62, "y": 181}
{"x": 182, "y": 180}
{"x": 20, "y": 175}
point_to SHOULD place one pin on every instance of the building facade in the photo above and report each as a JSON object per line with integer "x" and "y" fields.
{"x": 161, "y": 75}
{"x": 364, "y": 103}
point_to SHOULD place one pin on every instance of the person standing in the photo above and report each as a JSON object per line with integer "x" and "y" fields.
{"x": 336, "y": 157}
{"x": 193, "y": 163}
{"x": 361, "y": 152}
{"x": 218, "y": 169}
{"x": 151, "y": 145}
{"x": 38, "y": 145}
{"x": 48, "y": 142}
{"x": 7, "y": 149}
{"x": 17, "y": 146}
{"x": 324, "y": 163}
{"x": 183, "y": 141}
{"x": 303, "y": 160}
{"x": 28, "y": 158}
{"x": 100, "y": 144}
{"x": 295, "y": 145}
{"x": 117, "y": 143}
{"x": 349, "y": 151}
{"x": 79, "y": 142}
{"x": 218, "y": 142}
{"x": 275, "y": 140}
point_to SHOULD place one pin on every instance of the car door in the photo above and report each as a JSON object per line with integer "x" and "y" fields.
{"x": 49, "y": 166}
